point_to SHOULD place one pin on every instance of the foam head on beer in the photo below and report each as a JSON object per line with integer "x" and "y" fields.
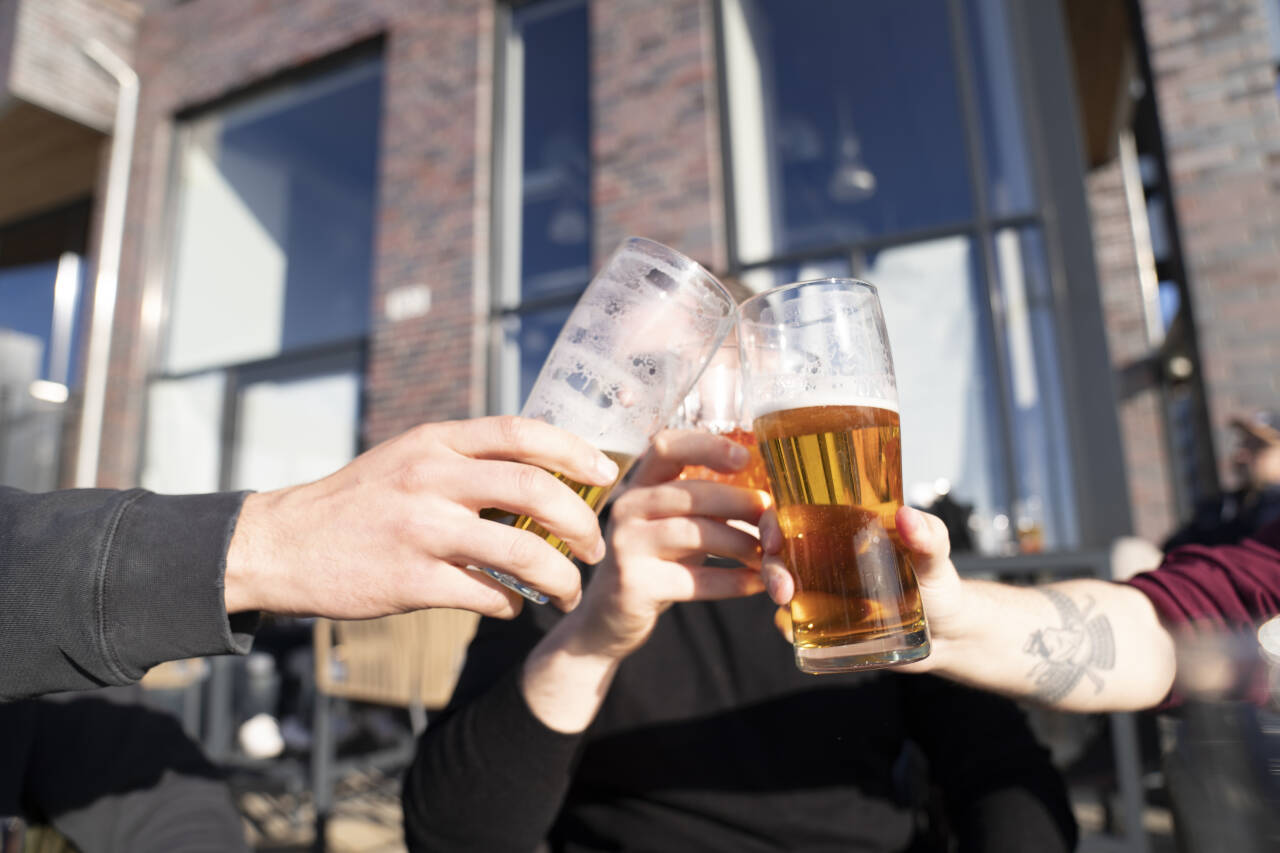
{"x": 819, "y": 383}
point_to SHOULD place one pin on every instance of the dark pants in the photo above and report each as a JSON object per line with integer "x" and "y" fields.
{"x": 113, "y": 777}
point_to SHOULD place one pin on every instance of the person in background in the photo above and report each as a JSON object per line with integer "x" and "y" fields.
{"x": 97, "y": 586}
{"x": 1231, "y": 517}
{"x": 666, "y": 713}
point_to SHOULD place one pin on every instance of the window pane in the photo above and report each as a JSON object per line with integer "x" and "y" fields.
{"x": 943, "y": 357}
{"x": 777, "y": 275}
{"x": 534, "y": 334}
{"x": 184, "y": 421}
{"x": 295, "y": 431}
{"x": 845, "y": 122}
{"x": 275, "y": 212}
{"x": 1044, "y": 507}
{"x": 42, "y": 302}
{"x": 556, "y": 179}
{"x": 1009, "y": 189}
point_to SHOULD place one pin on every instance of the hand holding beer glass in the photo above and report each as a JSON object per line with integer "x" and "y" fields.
{"x": 715, "y": 405}
{"x": 630, "y": 351}
{"x": 819, "y": 383}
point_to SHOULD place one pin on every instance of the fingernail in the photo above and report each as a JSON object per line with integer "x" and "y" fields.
{"x": 738, "y": 455}
{"x": 597, "y": 553}
{"x": 606, "y": 468}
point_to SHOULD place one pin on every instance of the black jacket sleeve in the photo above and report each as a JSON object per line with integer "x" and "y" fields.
{"x": 97, "y": 586}
{"x": 1000, "y": 791}
{"x": 489, "y": 775}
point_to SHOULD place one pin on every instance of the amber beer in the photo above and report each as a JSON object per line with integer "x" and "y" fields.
{"x": 836, "y": 475}
{"x": 752, "y": 477}
{"x": 595, "y": 496}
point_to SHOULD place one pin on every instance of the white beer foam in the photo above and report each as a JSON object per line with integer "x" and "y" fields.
{"x": 822, "y": 399}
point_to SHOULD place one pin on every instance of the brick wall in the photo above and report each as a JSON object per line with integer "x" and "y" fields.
{"x": 429, "y": 227}
{"x": 1139, "y": 407}
{"x": 1216, "y": 90}
{"x": 656, "y": 138}
{"x": 47, "y": 66}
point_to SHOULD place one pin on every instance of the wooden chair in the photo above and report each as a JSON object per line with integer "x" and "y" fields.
{"x": 408, "y": 661}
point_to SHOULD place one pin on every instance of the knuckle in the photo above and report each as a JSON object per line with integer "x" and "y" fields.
{"x": 417, "y": 476}
{"x": 663, "y": 443}
{"x": 529, "y": 483}
{"x": 680, "y": 531}
{"x": 513, "y": 431}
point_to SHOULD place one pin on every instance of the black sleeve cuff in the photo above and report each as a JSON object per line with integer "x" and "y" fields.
{"x": 162, "y": 584}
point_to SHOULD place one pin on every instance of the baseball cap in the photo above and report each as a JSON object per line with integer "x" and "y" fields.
{"x": 1263, "y": 426}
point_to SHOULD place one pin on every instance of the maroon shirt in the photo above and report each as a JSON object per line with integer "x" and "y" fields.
{"x": 1224, "y": 587}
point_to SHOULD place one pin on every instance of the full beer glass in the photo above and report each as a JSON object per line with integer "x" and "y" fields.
{"x": 632, "y": 347}
{"x": 819, "y": 383}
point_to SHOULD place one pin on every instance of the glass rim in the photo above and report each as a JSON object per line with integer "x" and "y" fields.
{"x": 845, "y": 282}
{"x": 685, "y": 262}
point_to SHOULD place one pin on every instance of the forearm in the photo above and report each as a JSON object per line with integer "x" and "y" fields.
{"x": 98, "y": 585}
{"x": 1082, "y": 645}
{"x": 566, "y": 677}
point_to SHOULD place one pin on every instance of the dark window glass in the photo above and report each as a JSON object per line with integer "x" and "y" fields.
{"x": 1004, "y": 146}
{"x": 536, "y": 333}
{"x": 556, "y": 183}
{"x": 274, "y": 241}
{"x": 861, "y": 132}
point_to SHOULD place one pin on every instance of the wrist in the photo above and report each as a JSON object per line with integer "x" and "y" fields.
{"x": 248, "y": 558}
{"x": 565, "y": 678}
{"x": 958, "y": 633}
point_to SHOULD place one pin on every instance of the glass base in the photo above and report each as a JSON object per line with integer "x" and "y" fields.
{"x": 871, "y": 654}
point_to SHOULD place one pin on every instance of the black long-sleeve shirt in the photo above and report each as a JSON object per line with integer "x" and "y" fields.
{"x": 97, "y": 586}
{"x": 711, "y": 739}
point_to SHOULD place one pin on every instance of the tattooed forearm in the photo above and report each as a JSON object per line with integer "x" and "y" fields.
{"x": 1075, "y": 650}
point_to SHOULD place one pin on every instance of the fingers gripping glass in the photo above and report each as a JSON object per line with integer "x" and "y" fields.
{"x": 630, "y": 351}
{"x": 819, "y": 383}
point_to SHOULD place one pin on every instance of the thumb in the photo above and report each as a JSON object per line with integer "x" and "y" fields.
{"x": 925, "y": 536}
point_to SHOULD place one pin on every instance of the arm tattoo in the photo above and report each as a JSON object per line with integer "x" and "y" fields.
{"x": 1079, "y": 648}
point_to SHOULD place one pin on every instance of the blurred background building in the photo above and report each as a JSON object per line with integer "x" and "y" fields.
{"x": 341, "y": 218}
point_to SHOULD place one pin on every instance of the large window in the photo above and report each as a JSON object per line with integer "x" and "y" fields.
{"x": 887, "y": 141}
{"x": 544, "y": 189}
{"x": 269, "y": 285}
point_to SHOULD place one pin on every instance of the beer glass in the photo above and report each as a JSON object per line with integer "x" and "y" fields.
{"x": 819, "y": 383}
{"x": 715, "y": 405}
{"x": 632, "y": 347}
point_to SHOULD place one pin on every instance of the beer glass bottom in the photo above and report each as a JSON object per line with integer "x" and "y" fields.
{"x": 869, "y": 654}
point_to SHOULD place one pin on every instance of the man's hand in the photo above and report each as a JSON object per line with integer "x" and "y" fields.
{"x": 395, "y": 529}
{"x": 661, "y": 530}
{"x": 1078, "y": 645}
{"x": 953, "y": 612}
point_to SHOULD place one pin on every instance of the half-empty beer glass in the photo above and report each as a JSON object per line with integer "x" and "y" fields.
{"x": 819, "y": 383}
{"x": 633, "y": 346}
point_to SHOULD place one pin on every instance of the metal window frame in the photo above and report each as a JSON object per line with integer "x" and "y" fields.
{"x": 1055, "y": 160}
{"x": 159, "y": 262}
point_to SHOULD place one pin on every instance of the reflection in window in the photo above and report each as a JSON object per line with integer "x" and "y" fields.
{"x": 270, "y": 272}
{"x": 1043, "y": 506}
{"x": 1004, "y": 149}
{"x": 546, "y": 236}
{"x": 855, "y": 130}
{"x": 555, "y": 244}
{"x": 845, "y": 122}
{"x": 942, "y": 356}
{"x": 274, "y": 236}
